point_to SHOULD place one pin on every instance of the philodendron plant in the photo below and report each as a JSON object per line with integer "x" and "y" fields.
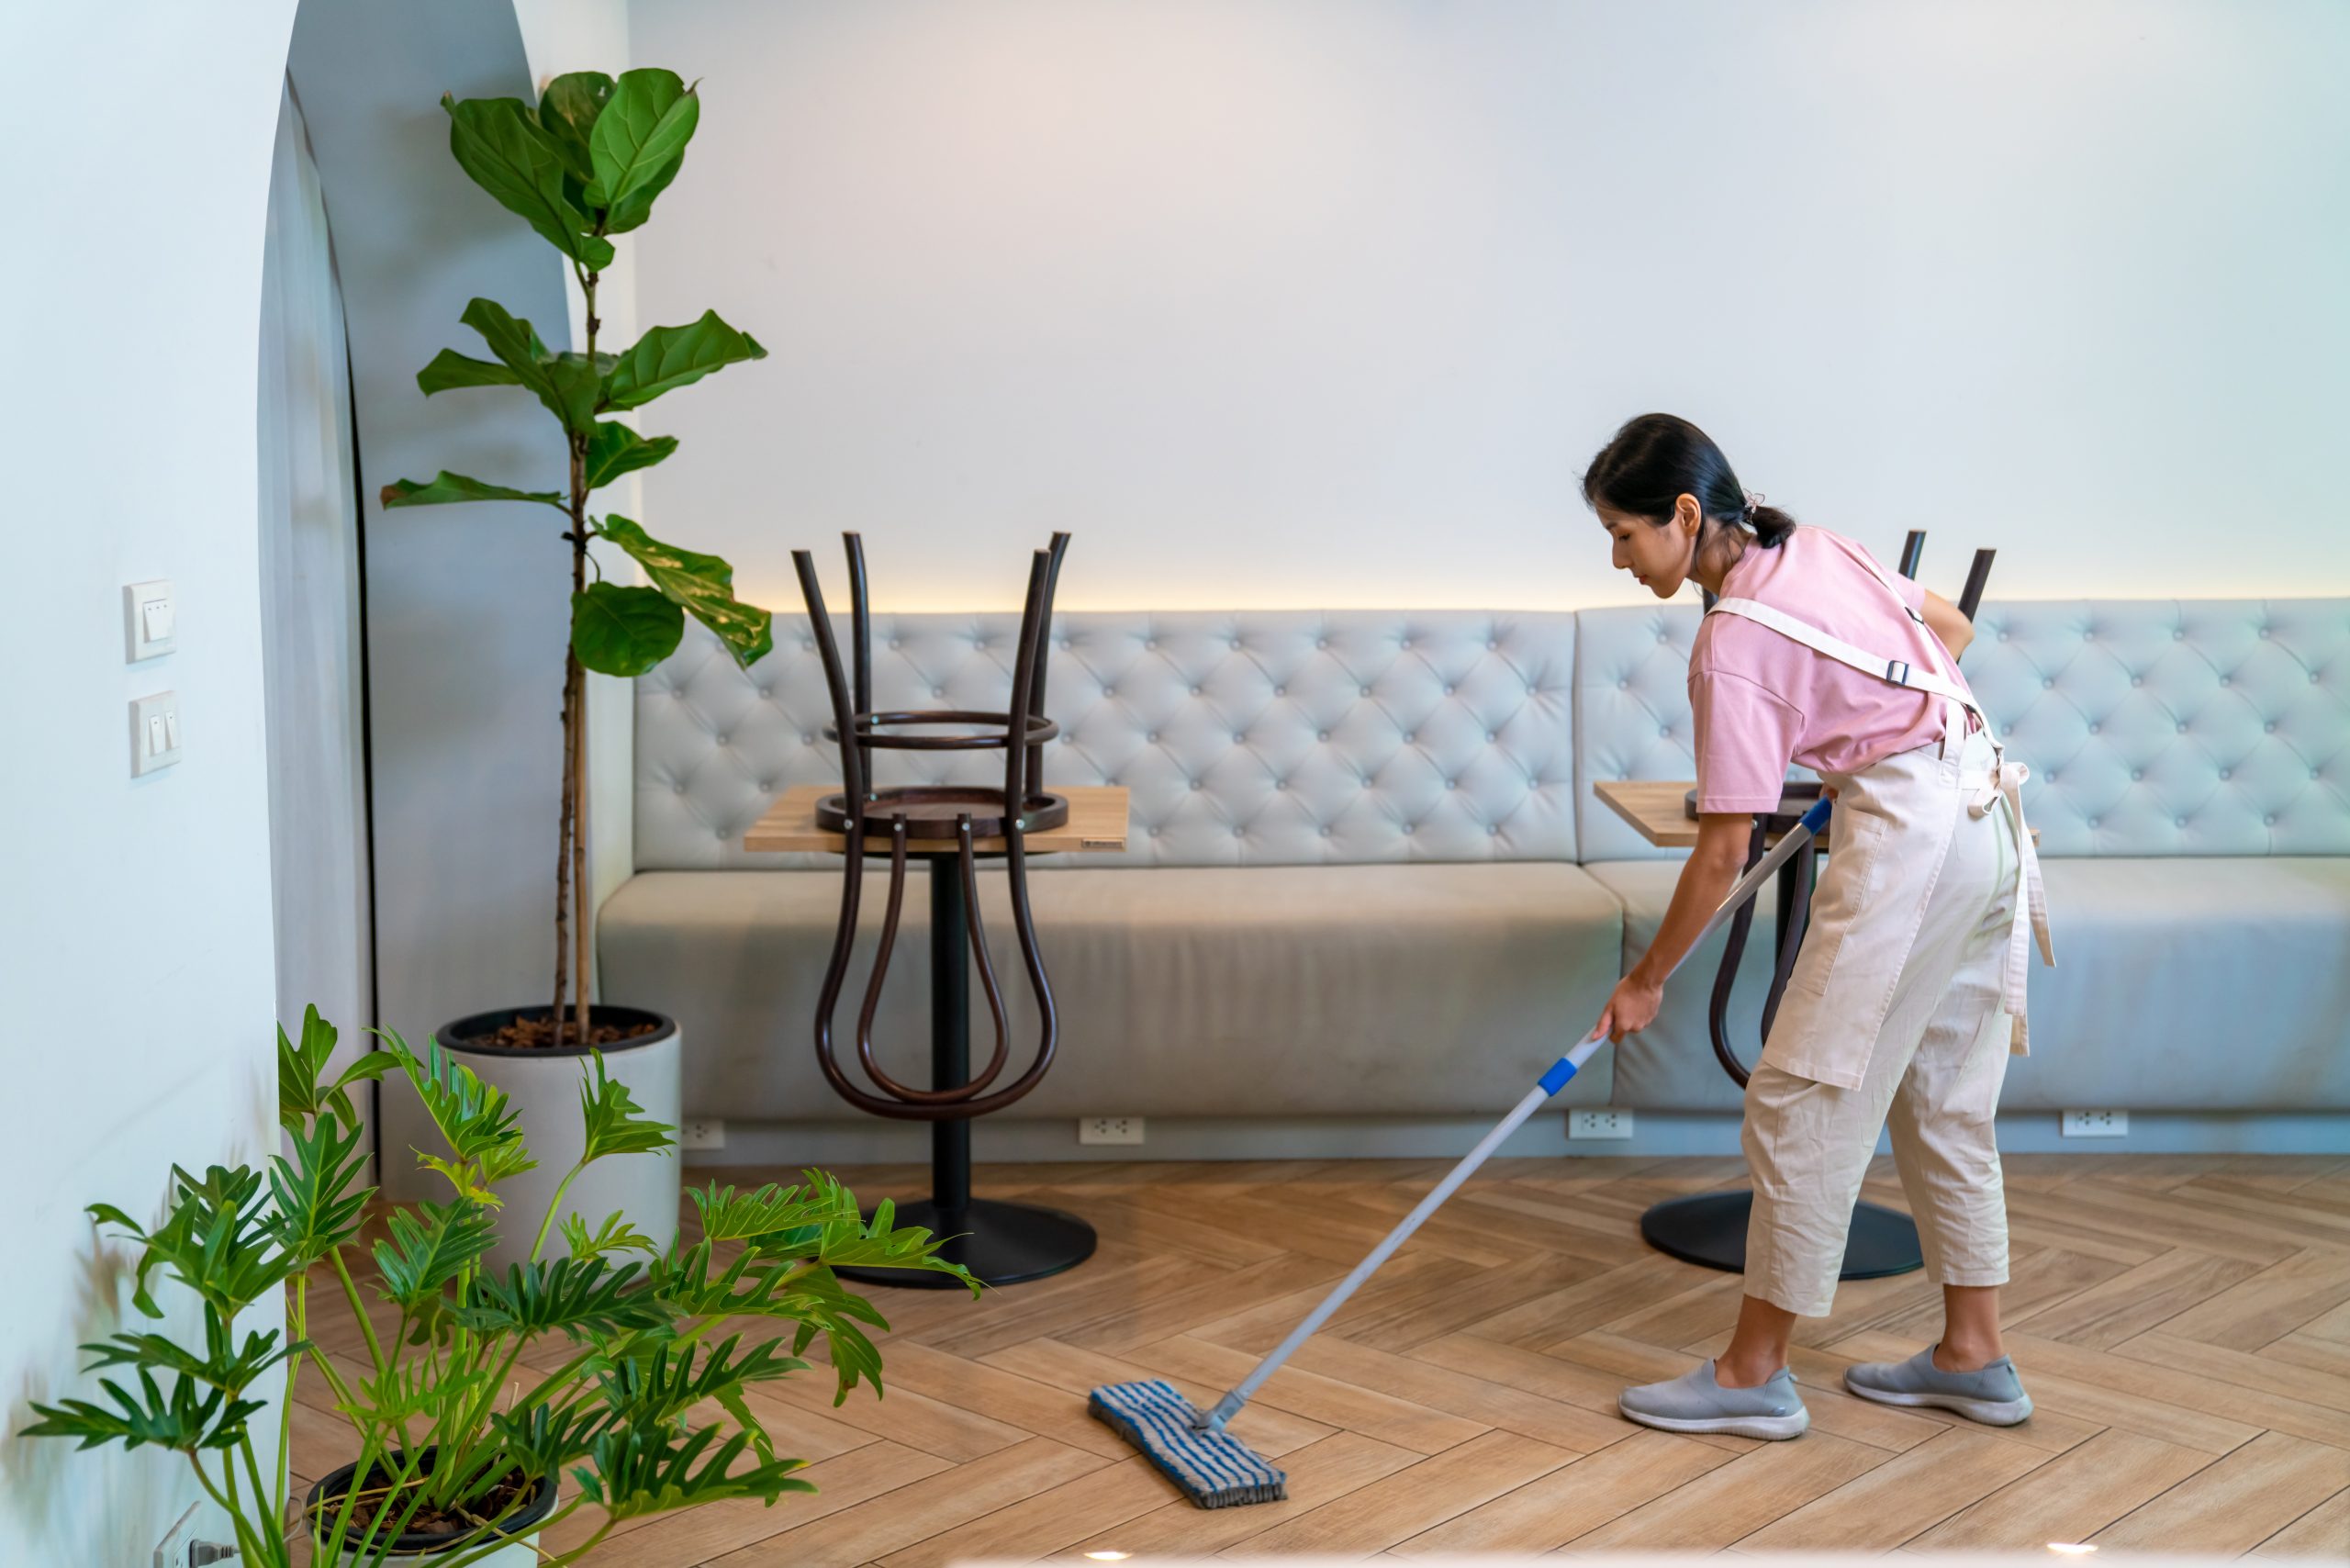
{"x": 583, "y": 165}
{"x": 472, "y": 1396}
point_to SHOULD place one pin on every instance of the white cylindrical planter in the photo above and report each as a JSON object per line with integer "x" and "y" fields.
{"x": 545, "y": 1088}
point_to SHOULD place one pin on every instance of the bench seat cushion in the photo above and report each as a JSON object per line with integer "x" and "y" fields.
{"x": 1396, "y": 990}
{"x": 2183, "y": 984}
{"x": 1670, "y": 1066}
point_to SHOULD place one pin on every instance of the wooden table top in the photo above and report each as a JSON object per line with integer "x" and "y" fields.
{"x": 1097, "y": 825}
{"x": 1658, "y": 809}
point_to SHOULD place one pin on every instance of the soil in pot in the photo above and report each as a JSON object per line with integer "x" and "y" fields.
{"x": 509, "y": 1496}
{"x": 533, "y": 1029}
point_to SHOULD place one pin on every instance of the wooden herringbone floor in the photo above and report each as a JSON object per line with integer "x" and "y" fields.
{"x": 2182, "y": 1323}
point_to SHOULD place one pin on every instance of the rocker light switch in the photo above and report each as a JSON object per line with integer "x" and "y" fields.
{"x": 154, "y": 733}
{"x": 149, "y": 621}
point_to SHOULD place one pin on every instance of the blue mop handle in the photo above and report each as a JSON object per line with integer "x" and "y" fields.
{"x": 1550, "y": 1082}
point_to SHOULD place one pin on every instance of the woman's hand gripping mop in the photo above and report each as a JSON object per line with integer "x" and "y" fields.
{"x": 1217, "y": 1469}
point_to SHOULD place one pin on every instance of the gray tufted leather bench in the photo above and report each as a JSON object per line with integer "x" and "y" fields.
{"x": 1350, "y": 888}
{"x": 2191, "y": 789}
{"x": 1368, "y": 876}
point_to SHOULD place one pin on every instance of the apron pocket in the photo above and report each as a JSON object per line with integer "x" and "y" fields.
{"x": 1844, "y": 891}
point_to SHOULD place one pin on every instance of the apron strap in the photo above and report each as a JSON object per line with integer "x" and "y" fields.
{"x": 2005, "y": 780}
{"x": 1900, "y": 672}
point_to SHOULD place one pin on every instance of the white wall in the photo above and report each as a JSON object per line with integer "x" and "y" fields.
{"x": 1327, "y": 302}
{"x": 134, "y": 915}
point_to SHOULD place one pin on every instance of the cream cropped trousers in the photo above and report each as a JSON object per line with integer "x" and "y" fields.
{"x": 1942, "y": 940}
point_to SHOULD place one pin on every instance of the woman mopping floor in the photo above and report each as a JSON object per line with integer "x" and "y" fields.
{"x": 1907, "y": 996}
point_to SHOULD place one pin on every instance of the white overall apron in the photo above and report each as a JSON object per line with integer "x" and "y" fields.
{"x": 1880, "y": 872}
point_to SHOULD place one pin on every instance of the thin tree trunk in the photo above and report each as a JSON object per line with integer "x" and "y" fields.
{"x": 584, "y": 922}
{"x": 563, "y": 856}
{"x": 571, "y": 917}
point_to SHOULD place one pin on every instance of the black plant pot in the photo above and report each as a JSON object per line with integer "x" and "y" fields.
{"x": 472, "y": 1033}
{"x": 427, "y": 1543}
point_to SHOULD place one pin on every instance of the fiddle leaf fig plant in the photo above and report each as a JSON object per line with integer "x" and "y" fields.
{"x": 468, "y": 1393}
{"x": 587, "y": 162}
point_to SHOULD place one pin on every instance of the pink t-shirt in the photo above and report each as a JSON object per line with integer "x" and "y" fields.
{"x": 1762, "y": 700}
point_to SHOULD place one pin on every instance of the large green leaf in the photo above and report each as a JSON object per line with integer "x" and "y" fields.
{"x": 778, "y": 1214}
{"x": 568, "y": 112}
{"x": 479, "y": 1124}
{"x": 585, "y": 1299}
{"x": 187, "y": 1420}
{"x": 319, "y": 1203}
{"x": 543, "y": 1439}
{"x": 615, "y": 1235}
{"x": 624, "y": 630}
{"x": 501, "y": 146}
{"x": 511, "y": 337}
{"x": 638, "y": 144}
{"x": 447, "y": 487}
{"x": 568, "y": 383}
{"x": 216, "y": 1238}
{"x": 612, "y": 1120}
{"x": 224, "y": 1363}
{"x": 299, "y": 1067}
{"x": 613, "y": 450}
{"x": 669, "y": 357}
{"x": 578, "y": 385}
{"x": 640, "y": 1470}
{"x": 429, "y": 1246}
{"x": 657, "y": 1390}
{"x": 304, "y": 1089}
{"x": 703, "y": 585}
{"x": 450, "y": 370}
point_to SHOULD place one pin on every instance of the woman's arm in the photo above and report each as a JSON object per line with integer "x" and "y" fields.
{"x": 1943, "y": 619}
{"x": 1706, "y": 877}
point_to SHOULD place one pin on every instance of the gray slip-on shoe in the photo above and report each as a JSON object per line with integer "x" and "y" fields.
{"x": 1993, "y": 1395}
{"x": 1695, "y": 1402}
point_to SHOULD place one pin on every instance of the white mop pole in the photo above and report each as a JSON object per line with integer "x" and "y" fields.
{"x": 1564, "y": 1068}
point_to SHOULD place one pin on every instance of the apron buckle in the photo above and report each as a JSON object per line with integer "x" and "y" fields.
{"x": 1898, "y": 671}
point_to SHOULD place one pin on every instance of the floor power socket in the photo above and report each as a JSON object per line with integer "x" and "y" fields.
{"x": 2096, "y": 1124}
{"x": 701, "y": 1132}
{"x": 1109, "y": 1130}
{"x": 1603, "y": 1123}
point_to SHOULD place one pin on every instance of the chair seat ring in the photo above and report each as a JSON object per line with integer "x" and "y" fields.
{"x": 929, "y": 813}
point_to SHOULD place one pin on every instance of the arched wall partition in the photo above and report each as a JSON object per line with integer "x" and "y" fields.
{"x": 466, "y": 607}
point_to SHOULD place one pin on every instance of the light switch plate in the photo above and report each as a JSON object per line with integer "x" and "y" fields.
{"x": 149, "y": 620}
{"x": 154, "y": 732}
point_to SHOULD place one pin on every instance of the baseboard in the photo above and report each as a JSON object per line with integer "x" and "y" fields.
{"x": 1656, "y": 1133}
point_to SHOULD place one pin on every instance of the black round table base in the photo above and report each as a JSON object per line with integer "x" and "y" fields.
{"x": 1001, "y": 1244}
{"x": 1711, "y": 1229}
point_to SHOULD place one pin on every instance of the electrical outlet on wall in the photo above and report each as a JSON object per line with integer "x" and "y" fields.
{"x": 185, "y": 1547}
{"x": 2096, "y": 1124}
{"x": 1109, "y": 1130}
{"x": 701, "y": 1132}
{"x": 1603, "y": 1123}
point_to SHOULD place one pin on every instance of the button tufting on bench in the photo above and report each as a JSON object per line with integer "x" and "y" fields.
{"x": 1601, "y": 679}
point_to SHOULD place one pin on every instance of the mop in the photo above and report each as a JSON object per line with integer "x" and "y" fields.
{"x": 1217, "y": 1469}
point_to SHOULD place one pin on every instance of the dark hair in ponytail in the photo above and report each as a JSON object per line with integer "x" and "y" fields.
{"x": 1656, "y": 459}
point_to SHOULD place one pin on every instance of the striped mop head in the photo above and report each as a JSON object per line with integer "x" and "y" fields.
{"x": 1214, "y": 1469}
